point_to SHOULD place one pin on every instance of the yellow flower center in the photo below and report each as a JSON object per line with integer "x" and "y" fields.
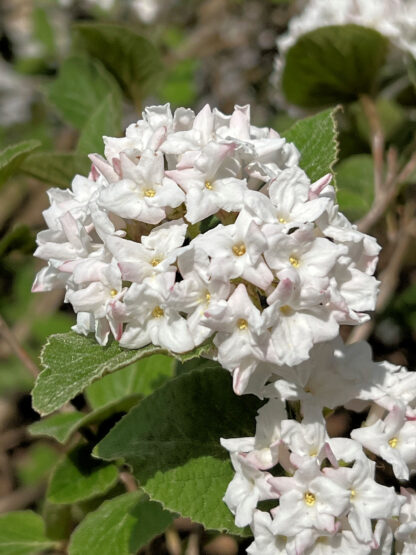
{"x": 150, "y": 193}
{"x": 155, "y": 261}
{"x": 282, "y": 220}
{"x": 113, "y": 292}
{"x": 242, "y": 324}
{"x": 294, "y": 261}
{"x": 207, "y": 296}
{"x": 393, "y": 442}
{"x": 353, "y": 493}
{"x": 158, "y": 312}
{"x": 208, "y": 185}
{"x": 309, "y": 498}
{"x": 239, "y": 249}
{"x": 286, "y": 310}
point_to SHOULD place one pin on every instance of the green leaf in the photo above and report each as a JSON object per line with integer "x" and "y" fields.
{"x": 333, "y": 64}
{"x": 36, "y": 464}
{"x": 172, "y": 442}
{"x": 12, "y": 157}
{"x": 56, "y": 168}
{"x": 82, "y": 85}
{"x": 58, "y": 520}
{"x": 72, "y": 362}
{"x": 121, "y": 525}
{"x": 104, "y": 120}
{"x": 316, "y": 139}
{"x": 22, "y": 533}
{"x": 142, "y": 378}
{"x": 61, "y": 427}
{"x": 131, "y": 58}
{"x": 78, "y": 476}
{"x": 355, "y": 185}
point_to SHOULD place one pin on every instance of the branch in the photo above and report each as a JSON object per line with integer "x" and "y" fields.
{"x": 18, "y": 349}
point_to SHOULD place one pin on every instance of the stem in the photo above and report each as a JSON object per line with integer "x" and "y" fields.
{"x": 18, "y": 349}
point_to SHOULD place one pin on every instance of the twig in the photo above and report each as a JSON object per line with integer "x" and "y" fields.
{"x": 377, "y": 141}
{"x": 21, "y": 498}
{"x": 18, "y": 349}
{"x": 129, "y": 481}
{"x": 385, "y": 189}
{"x": 173, "y": 542}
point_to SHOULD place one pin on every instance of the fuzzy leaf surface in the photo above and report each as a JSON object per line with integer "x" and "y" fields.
{"x": 72, "y": 362}
{"x": 172, "y": 442}
{"x": 316, "y": 139}
{"x": 121, "y": 525}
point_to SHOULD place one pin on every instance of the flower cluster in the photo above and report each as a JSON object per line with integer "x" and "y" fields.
{"x": 323, "y": 489}
{"x": 204, "y": 227}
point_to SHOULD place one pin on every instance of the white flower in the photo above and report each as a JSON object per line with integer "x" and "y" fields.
{"x": 307, "y": 500}
{"x": 368, "y": 500}
{"x": 247, "y": 488}
{"x": 393, "y": 439}
{"x": 261, "y": 451}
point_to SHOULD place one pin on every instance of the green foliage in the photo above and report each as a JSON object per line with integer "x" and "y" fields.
{"x": 72, "y": 362}
{"x": 78, "y": 476}
{"x": 56, "y": 168}
{"x": 333, "y": 64}
{"x": 35, "y": 466}
{"x": 171, "y": 440}
{"x": 22, "y": 533}
{"x": 355, "y": 185}
{"x": 58, "y": 520}
{"x": 121, "y": 525}
{"x": 82, "y": 85}
{"x": 141, "y": 378}
{"x": 131, "y": 58}
{"x": 12, "y": 157}
{"x": 61, "y": 427}
{"x": 316, "y": 139}
{"x": 104, "y": 120}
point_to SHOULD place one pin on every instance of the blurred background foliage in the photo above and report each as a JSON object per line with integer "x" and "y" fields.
{"x": 72, "y": 71}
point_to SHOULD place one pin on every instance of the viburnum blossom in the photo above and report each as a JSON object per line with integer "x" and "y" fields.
{"x": 204, "y": 228}
{"x": 211, "y": 221}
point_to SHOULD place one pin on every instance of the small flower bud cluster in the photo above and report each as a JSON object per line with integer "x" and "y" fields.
{"x": 322, "y": 489}
{"x": 203, "y": 227}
